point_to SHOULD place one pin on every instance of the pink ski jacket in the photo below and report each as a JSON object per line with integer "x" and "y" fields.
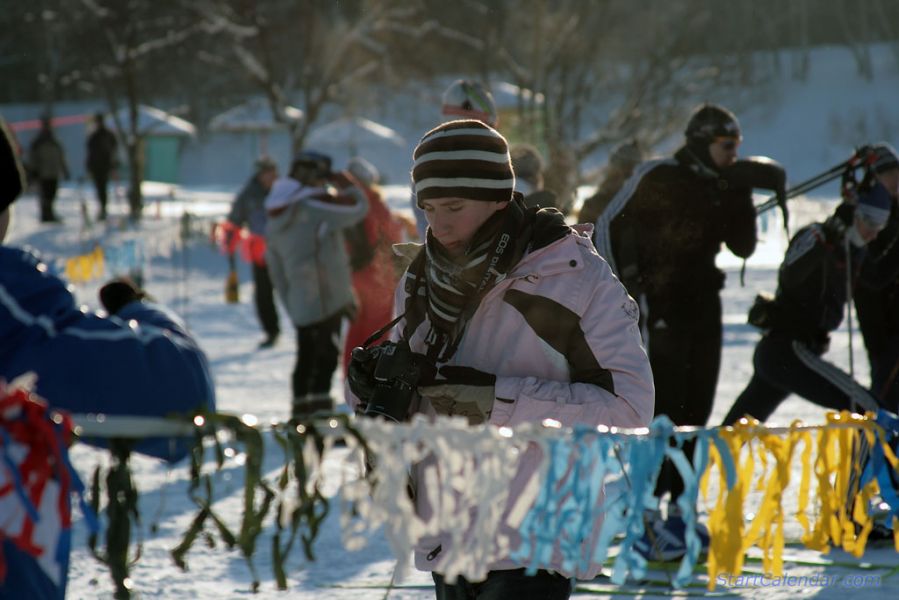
{"x": 560, "y": 333}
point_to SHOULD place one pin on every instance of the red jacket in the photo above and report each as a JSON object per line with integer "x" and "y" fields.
{"x": 374, "y": 283}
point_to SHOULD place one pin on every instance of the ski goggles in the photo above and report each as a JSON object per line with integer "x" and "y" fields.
{"x": 728, "y": 143}
{"x": 870, "y": 222}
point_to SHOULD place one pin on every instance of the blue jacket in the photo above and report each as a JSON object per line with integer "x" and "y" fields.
{"x": 142, "y": 362}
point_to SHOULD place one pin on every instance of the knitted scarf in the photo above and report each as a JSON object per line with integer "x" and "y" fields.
{"x": 454, "y": 286}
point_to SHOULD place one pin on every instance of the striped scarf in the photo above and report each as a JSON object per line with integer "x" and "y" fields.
{"x": 448, "y": 290}
{"x": 454, "y": 286}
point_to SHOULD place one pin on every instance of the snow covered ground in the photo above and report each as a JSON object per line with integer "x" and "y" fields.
{"x": 189, "y": 275}
{"x": 808, "y": 126}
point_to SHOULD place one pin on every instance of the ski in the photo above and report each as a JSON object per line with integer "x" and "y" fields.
{"x": 643, "y": 588}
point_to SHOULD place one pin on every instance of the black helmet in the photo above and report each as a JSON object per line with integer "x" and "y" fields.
{"x": 315, "y": 163}
{"x": 710, "y": 121}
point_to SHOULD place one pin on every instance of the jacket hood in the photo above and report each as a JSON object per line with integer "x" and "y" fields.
{"x": 287, "y": 191}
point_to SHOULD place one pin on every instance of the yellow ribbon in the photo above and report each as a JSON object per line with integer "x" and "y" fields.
{"x": 836, "y": 460}
{"x": 83, "y": 268}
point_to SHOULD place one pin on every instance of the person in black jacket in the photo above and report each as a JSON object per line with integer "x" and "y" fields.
{"x": 809, "y": 304}
{"x": 101, "y": 160}
{"x": 878, "y": 309}
{"x": 661, "y": 234}
{"x": 47, "y": 162}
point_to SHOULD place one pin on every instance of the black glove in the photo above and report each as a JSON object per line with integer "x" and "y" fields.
{"x": 119, "y": 292}
{"x": 836, "y": 225}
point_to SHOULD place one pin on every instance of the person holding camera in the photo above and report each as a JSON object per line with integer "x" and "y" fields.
{"x": 463, "y": 99}
{"x": 308, "y": 263}
{"x": 809, "y": 304}
{"x": 508, "y": 316}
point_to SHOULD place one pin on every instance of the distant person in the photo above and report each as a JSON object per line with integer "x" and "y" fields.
{"x": 248, "y": 210}
{"x": 878, "y": 309}
{"x": 661, "y": 233}
{"x": 101, "y": 160}
{"x": 528, "y": 166}
{"x": 623, "y": 159}
{"x": 463, "y": 99}
{"x": 371, "y": 259}
{"x": 47, "y": 163}
{"x": 310, "y": 269}
{"x": 809, "y": 304}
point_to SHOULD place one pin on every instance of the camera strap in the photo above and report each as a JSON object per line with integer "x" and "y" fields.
{"x": 384, "y": 329}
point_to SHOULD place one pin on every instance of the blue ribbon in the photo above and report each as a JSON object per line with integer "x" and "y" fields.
{"x": 124, "y": 257}
{"x": 879, "y": 467}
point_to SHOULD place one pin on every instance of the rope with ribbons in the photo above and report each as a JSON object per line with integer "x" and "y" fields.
{"x": 467, "y": 474}
{"x": 37, "y": 480}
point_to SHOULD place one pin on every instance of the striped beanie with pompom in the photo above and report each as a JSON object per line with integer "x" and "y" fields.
{"x": 463, "y": 159}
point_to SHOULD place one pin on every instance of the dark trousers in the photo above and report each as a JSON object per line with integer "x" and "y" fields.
{"x": 685, "y": 357}
{"x": 47, "y": 189}
{"x": 885, "y": 375}
{"x": 264, "y": 296}
{"x": 317, "y": 353}
{"x": 506, "y": 585}
{"x": 784, "y": 366}
{"x": 101, "y": 183}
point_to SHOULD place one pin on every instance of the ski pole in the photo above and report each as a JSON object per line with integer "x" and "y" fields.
{"x": 805, "y": 186}
{"x": 849, "y": 308}
{"x": 862, "y": 156}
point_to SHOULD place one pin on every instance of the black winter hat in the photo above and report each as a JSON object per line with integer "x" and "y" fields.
{"x": 118, "y": 293}
{"x": 309, "y": 159}
{"x": 711, "y": 121}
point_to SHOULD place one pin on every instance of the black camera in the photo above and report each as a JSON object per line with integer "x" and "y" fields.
{"x": 386, "y": 378}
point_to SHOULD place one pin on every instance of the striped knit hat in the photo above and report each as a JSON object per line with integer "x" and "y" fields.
{"x": 463, "y": 159}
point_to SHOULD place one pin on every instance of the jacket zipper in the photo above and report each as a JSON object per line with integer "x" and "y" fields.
{"x": 433, "y": 553}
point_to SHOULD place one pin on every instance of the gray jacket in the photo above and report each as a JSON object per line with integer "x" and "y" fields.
{"x": 248, "y": 207}
{"x": 306, "y": 253}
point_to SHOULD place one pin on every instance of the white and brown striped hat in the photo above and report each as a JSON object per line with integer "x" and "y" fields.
{"x": 463, "y": 159}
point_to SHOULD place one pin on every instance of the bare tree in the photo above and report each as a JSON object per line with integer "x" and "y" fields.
{"x": 126, "y": 48}
{"x": 606, "y": 70}
{"x": 801, "y": 61}
{"x": 856, "y": 26}
{"x": 313, "y": 49}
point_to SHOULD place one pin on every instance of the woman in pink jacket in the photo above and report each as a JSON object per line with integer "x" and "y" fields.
{"x": 521, "y": 321}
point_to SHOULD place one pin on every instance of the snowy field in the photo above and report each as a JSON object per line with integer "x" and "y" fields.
{"x": 190, "y": 276}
